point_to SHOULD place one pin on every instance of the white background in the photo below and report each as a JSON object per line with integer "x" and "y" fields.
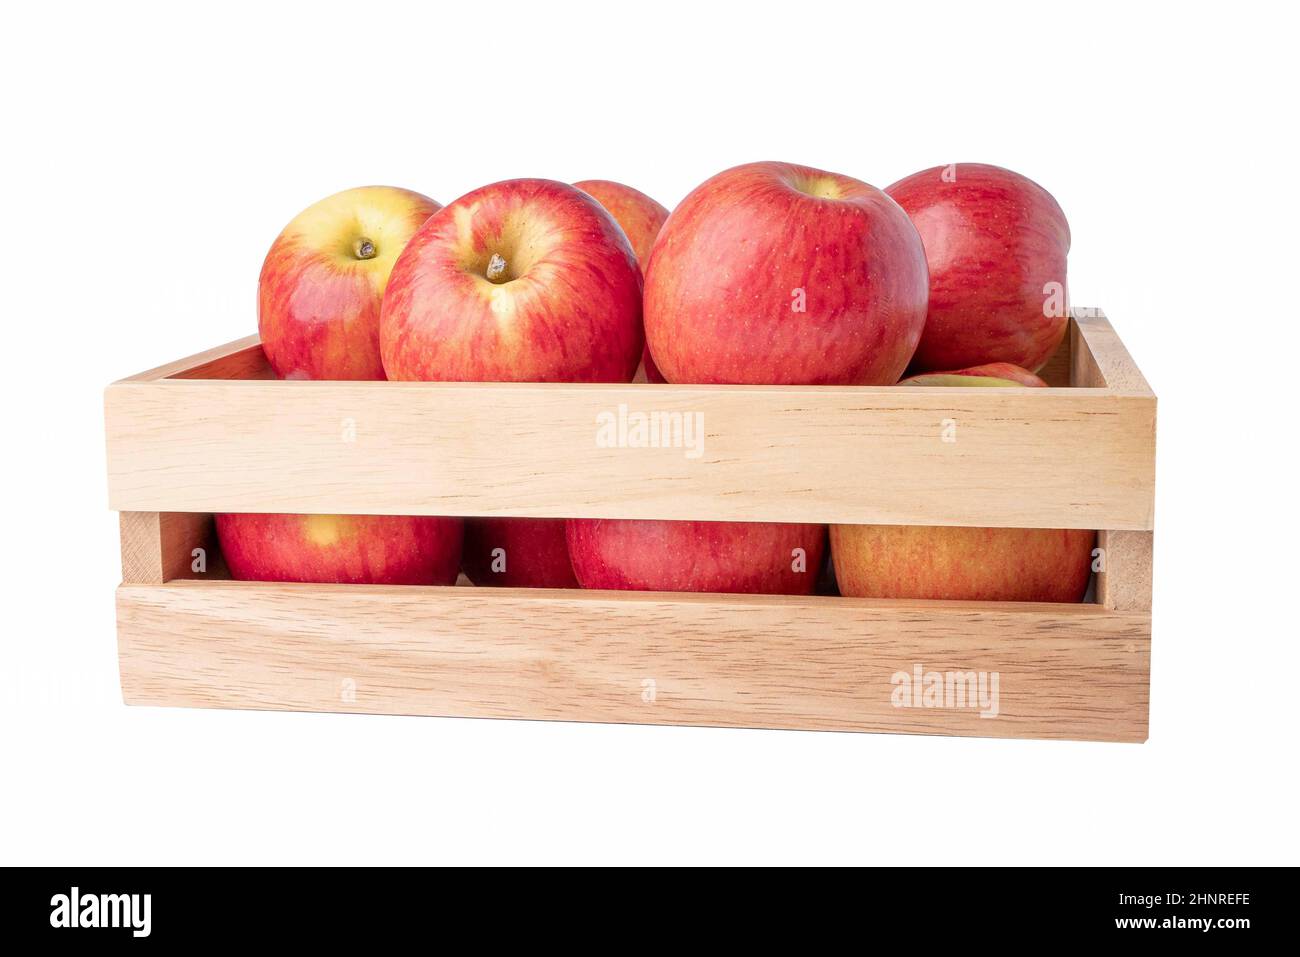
{"x": 151, "y": 154}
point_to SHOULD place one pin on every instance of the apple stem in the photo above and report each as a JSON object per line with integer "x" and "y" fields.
{"x": 364, "y": 249}
{"x": 496, "y": 267}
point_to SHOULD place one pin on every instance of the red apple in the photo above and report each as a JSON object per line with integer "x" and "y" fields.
{"x": 639, "y": 216}
{"x": 322, "y": 283}
{"x": 652, "y": 373}
{"x": 526, "y": 280}
{"x": 355, "y": 549}
{"x": 757, "y": 557}
{"x": 996, "y": 244}
{"x": 517, "y": 553}
{"x": 782, "y": 274}
{"x": 972, "y": 564}
{"x": 992, "y": 374}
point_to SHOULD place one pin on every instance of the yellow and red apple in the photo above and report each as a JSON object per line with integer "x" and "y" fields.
{"x": 754, "y": 557}
{"x": 990, "y": 375}
{"x": 352, "y": 549}
{"x": 526, "y": 280}
{"x": 319, "y": 299}
{"x": 974, "y": 564}
{"x": 996, "y": 245}
{"x": 772, "y": 273}
{"x": 322, "y": 283}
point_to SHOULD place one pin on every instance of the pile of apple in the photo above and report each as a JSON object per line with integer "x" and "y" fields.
{"x": 767, "y": 273}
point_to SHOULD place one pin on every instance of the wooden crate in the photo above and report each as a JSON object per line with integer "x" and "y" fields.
{"x": 216, "y": 432}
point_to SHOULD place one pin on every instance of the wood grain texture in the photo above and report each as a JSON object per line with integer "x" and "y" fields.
{"x": 242, "y": 358}
{"x": 1125, "y": 583}
{"x": 1100, "y": 360}
{"x": 159, "y": 547}
{"x": 1065, "y": 671}
{"x": 248, "y": 362}
{"x": 1054, "y": 458}
{"x": 142, "y": 549}
{"x": 1085, "y": 373}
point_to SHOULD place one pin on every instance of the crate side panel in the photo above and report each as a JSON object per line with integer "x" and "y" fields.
{"x": 1073, "y": 671}
{"x": 1019, "y": 457}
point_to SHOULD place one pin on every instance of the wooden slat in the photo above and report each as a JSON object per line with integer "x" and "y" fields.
{"x": 1100, "y": 359}
{"x": 1064, "y": 671}
{"x": 1021, "y": 457}
{"x": 142, "y": 549}
{"x": 210, "y": 359}
{"x": 246, "y": 363}
{"x": 159, "y": 547}
{"x": 1125, "y": 583}
{"x": 1081, "y": 457}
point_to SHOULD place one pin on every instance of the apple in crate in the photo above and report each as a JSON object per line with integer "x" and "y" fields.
{"x": 990, "y": 375}
{"x": 526, "y": 280}
{"x": 322, "y": 283}
{"x": 640, "y": 218}
{"x": 996, "y": 245}
{"x": 517, "y": 553}
{"x": 352, "y": 549}
{"x": 772, "y": 273}
{"x": 975, "y": 564}
{"x": 755, "y": 557}
{"x": 522, "y": 281}
{"x": 972, "y": 564}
